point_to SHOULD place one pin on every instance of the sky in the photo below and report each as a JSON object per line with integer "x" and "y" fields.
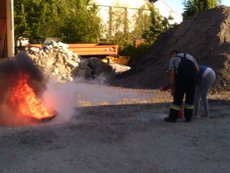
{"x": 178, "y": 6}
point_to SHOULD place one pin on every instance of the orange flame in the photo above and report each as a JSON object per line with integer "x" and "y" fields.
{"x": 24, "y": 101}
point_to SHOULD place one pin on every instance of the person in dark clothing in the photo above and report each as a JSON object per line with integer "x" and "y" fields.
{"x": 183, "y": 69}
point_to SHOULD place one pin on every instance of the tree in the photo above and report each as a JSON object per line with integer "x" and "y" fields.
{"x": 70, "y": 20}
{"x": 158, "y": 25}
{"x": 81, "y": 22}
{"x": 149, "y": 26}
{"x": 193, "y": 7}
{"x": 34, "y": 19}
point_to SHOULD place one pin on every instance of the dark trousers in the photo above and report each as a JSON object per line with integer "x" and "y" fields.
{"x": 183, "y": 88}
{"x": 187, "y": 88}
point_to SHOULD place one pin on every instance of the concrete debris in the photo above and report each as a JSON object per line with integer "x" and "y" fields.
{"x": 92, "y": 67}
{"x": 57, "y": 61}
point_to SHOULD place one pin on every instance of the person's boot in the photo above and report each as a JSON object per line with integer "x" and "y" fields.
{"x": 188, "y": 114}
{"x": 172, "y": 116}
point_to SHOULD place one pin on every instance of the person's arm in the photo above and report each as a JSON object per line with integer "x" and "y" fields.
{"x": 172, "y": 76}
{"x": 197, "y": 68}
{"x": 196, "y": 65}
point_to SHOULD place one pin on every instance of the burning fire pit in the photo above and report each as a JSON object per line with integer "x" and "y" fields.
{"x": 23, "y": 84}
{"x": 23, "y": 100}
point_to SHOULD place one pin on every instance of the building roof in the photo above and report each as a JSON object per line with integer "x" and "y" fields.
{"x": 166, "y": 11}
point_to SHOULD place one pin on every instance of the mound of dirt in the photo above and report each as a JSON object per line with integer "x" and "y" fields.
{"x": 205, "y": 36}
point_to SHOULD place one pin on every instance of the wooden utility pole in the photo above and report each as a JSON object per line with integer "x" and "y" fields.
{"x": 6, "y": 29}
{"x": 10, "y": 28}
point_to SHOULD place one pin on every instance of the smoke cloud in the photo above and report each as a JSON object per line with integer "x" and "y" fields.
{"x": 96, "y": 94}
{"x": 67, "y": 98}
{"x": 61, "y": 99}
{"x": 10, "y": 71}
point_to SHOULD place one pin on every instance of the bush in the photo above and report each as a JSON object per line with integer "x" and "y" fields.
{"x": 134, "y": 53}
{"x": 71, "y": 22}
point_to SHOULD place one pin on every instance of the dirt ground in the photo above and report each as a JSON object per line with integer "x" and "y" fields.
{"x": 126, "y": 137}
{"x": 115, "y": 130}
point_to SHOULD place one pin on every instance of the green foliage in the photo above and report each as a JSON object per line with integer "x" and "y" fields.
{"x": 70, "y": 20}
{"x": 143, "y": 23}
{"x": 148, "y": 27}
{"x": 158, "y": 25}
{"x": 81, "y": 25}
{"x": 134, "y": 53}
{"x": 193, "y": 7}
{"x": 33, "y": 18}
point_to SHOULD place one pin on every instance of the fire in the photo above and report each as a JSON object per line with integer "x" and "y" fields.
{"x": 23, "y": 99}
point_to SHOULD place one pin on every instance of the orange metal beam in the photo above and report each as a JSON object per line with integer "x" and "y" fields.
{"x": 89, "y": 49}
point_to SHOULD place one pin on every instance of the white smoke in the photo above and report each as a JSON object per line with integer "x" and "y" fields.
{"x": 61, "y": 99}
{"x": 67, "y": 97}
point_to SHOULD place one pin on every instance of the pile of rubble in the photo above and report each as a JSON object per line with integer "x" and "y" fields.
{"x": 57, "y": 61}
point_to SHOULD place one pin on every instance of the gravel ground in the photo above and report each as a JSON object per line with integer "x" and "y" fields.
{"x": 130, "y": 137}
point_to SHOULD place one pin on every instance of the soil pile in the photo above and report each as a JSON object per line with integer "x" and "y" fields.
{"x": 205, "y": 36}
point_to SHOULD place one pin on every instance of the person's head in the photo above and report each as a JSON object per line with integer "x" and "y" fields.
{"x": 173, "y": 53}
